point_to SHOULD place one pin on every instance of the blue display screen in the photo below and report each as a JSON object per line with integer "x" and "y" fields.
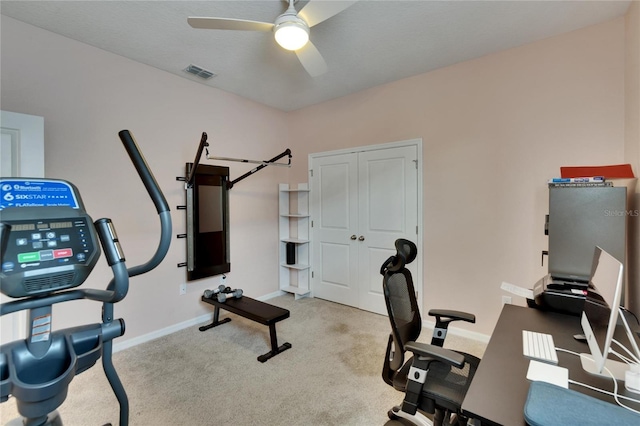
{"x": 36, "y": 193}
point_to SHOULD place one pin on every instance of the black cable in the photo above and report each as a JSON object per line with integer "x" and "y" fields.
{"x": 634, "y": 315}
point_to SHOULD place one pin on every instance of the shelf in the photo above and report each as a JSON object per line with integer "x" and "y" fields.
{"x": 294, "y": 233}
{"x": 297, "y": 266}
{"x": 295, "y": 190}
{"x": 296, "y": 290}
{"x": 294, "y": 241}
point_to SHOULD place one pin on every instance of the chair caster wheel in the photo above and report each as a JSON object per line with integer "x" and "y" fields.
{"x": 392, "y": 415}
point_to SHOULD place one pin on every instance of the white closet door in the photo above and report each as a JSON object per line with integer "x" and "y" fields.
{"x": 388, "y": 210}
{"x": 334, "y": 203}
{"x": 360, "y": 204}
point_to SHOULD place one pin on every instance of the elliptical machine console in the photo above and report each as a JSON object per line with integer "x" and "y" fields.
{"x": 51, "y": 243}
{"x": 49, "y": 246}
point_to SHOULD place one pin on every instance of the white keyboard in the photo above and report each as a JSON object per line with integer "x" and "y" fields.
{"x": 539, "y": 346}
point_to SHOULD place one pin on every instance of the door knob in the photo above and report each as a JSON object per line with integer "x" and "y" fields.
{"x": 353, "y": 237}
{"x": 361, "y": 238}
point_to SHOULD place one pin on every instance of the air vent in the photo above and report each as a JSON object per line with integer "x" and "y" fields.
{"x": 199, "y": 72}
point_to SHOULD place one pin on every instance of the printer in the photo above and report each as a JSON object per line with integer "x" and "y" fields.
{"x": 558, "y": 295}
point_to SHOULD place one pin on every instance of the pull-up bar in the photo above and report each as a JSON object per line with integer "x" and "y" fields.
{"x": 241, "y": 160}
{"x": 262, "y": 164}
{"x": 192, "y": 172}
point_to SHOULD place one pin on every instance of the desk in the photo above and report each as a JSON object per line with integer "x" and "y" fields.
{"x": 499, "y": 388}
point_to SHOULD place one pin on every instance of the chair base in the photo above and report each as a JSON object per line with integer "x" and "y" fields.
{"x": 399, "y": 417}
{"x": 399, "y": 422}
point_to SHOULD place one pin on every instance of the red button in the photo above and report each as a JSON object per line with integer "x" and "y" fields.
{"x": 57, "y": 254}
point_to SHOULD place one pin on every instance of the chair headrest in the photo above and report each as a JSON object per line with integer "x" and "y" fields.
{"x": 406, "y": 252}
{"x": 407, "y": 249}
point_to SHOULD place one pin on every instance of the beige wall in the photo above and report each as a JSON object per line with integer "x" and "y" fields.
{"x": 494, "y": 130}
{"x": 632, "y": 143}
{"x": 87, "y": 96}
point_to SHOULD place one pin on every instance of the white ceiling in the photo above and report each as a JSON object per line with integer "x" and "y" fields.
{"x": 371, "y": 43}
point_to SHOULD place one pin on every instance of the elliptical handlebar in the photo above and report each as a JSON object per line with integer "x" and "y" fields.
{"x": 154, "y": 191}
{"x": 143, "y": 171}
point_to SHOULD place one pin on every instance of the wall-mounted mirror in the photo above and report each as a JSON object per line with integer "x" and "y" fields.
{"x": 207, "y": 222}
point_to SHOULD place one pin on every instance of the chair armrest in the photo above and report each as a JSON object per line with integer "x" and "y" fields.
{"x": 452, "y": 315}
{"x": 436, "y": 353}
{"x": 443, "y": 318}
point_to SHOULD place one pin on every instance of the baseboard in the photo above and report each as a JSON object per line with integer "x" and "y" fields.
{"x": 271, "y": 295}
{"x": 461, "y": 332}
{"x": 126, "y": 344}
{"x": 120, "y": 346}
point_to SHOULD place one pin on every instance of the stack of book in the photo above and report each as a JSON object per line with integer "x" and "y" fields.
{"x": 579, "y": 182}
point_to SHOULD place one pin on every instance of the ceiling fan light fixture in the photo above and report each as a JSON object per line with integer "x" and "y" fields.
{"x": 291, "y": 35}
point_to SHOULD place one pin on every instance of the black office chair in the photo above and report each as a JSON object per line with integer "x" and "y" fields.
{"x": 434, "y": 380}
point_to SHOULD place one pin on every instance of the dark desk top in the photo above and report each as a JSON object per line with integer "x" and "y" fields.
{"x": 499, "y": 388}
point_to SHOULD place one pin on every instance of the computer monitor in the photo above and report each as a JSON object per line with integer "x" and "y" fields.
{"x": 600, "y": 314}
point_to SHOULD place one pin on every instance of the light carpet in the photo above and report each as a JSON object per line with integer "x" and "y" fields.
{"x": 330, "y": 376}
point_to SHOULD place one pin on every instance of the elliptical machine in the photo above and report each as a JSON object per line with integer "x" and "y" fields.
{"x": 49, "y": 246}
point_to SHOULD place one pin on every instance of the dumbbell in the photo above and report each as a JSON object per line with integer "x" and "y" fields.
{"x": 210, "y": 293}
{"x": 222, "y": 297}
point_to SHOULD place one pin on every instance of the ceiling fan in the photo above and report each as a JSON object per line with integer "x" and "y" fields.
{"x": 291, "y": 29}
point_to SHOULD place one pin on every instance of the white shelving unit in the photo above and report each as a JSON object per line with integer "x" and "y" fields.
{"x": 294, "y": 228}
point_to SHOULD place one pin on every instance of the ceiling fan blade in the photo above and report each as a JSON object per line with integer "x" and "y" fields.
{"x": 312, "y": 60}
{"x": 317, "y": 11}
{"x": 228, "y": 24}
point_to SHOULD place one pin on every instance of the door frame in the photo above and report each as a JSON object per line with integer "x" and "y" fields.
{"x": 418, "y": 279}
{"x": 28, "y": 132}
